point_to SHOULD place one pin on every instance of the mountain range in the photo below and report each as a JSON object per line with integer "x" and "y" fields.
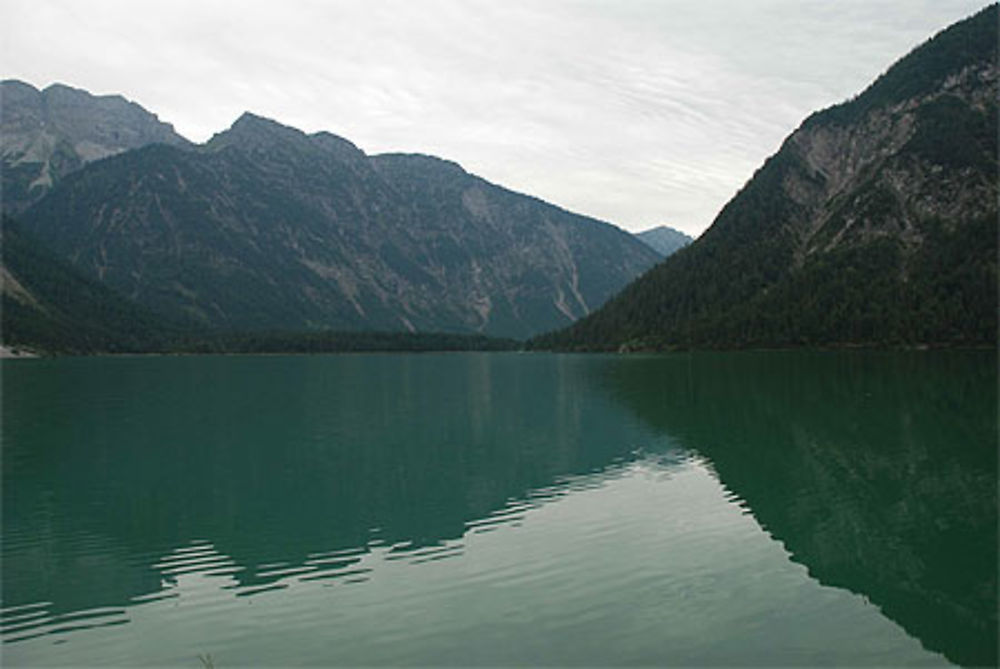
{"x": 874, "y": 224}
{"x": 264, "y": 227}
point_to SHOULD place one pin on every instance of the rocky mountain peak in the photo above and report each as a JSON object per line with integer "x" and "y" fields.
{"x": 96, "y": 125}
{"x": 251, "y": 130}
{"x": 261, "y": 136}
{"x": 46, "y": 134}
{"x": 248, "y": 122}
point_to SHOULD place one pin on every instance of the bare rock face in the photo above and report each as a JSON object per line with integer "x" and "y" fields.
{"x": 45, "y": 135}
{"x": 896, "y": 167}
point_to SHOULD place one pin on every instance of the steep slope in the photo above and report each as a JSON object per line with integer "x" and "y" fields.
{"x": 47, "y": 134}
{"x": 266, "y": 227}
{"x": 876, "y": 222}
{"x": 48, "y": 306}
{"x": 664, "y": 240}
{"x": 515, "y": 258}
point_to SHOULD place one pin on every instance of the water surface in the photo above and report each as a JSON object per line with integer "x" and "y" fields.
{"x": 779, "y": 508}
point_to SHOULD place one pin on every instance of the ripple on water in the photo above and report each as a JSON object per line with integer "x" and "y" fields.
{"x": 42, "y": 623}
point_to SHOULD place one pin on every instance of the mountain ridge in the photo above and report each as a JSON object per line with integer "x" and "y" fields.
{"x": 265, "y": 227}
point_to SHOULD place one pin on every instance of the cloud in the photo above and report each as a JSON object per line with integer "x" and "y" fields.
{"x": 639, "y": 113}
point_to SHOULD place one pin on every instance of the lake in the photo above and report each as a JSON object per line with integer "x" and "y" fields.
{"x": 772, "y": 508}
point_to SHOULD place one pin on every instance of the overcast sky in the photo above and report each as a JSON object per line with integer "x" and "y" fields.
{"x": 636, "y": 112}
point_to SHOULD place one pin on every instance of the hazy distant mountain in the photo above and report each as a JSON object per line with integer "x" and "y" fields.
{"x": 876, "y": 222}
{"x": 664, "y": 240}
{"x": 47, "y": 134}
{"x": 265, "y": 227}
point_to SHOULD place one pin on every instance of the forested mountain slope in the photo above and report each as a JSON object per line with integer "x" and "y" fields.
{"x": 48, "y": 306}
{"x": 875, "y": 223}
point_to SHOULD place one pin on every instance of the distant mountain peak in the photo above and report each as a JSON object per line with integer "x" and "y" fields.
{"x": 250, "y": 120}
{"x": 664, "y": 239}
{"x": 251, "y": 129}
{"x": 254, "y": 132}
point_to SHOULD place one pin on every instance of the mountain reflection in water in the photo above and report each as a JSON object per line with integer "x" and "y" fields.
{"x": 876, "y": 470}
{"x": 501, "y": 509}
{"x": 111, "y": 464}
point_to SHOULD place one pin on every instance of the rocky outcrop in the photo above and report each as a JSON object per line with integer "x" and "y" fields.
{"x": 884, "y": 175}
{"x": 45, "y": 135}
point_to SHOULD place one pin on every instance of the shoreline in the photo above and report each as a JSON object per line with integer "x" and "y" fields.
{"x": 8, "y": 352}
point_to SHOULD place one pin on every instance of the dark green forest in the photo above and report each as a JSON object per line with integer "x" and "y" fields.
{"x": 853, "y": 296}
{"x": 61, "y": 311}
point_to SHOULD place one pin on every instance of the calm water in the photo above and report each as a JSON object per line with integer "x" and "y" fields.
{"x": 748, "y": 509}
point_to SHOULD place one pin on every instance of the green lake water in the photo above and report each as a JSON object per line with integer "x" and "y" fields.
{"x": 826, "y": 508}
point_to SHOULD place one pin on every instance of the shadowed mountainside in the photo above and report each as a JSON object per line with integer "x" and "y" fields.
{"x": 267, "y": 228}
{"x": 875, "y": 223}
